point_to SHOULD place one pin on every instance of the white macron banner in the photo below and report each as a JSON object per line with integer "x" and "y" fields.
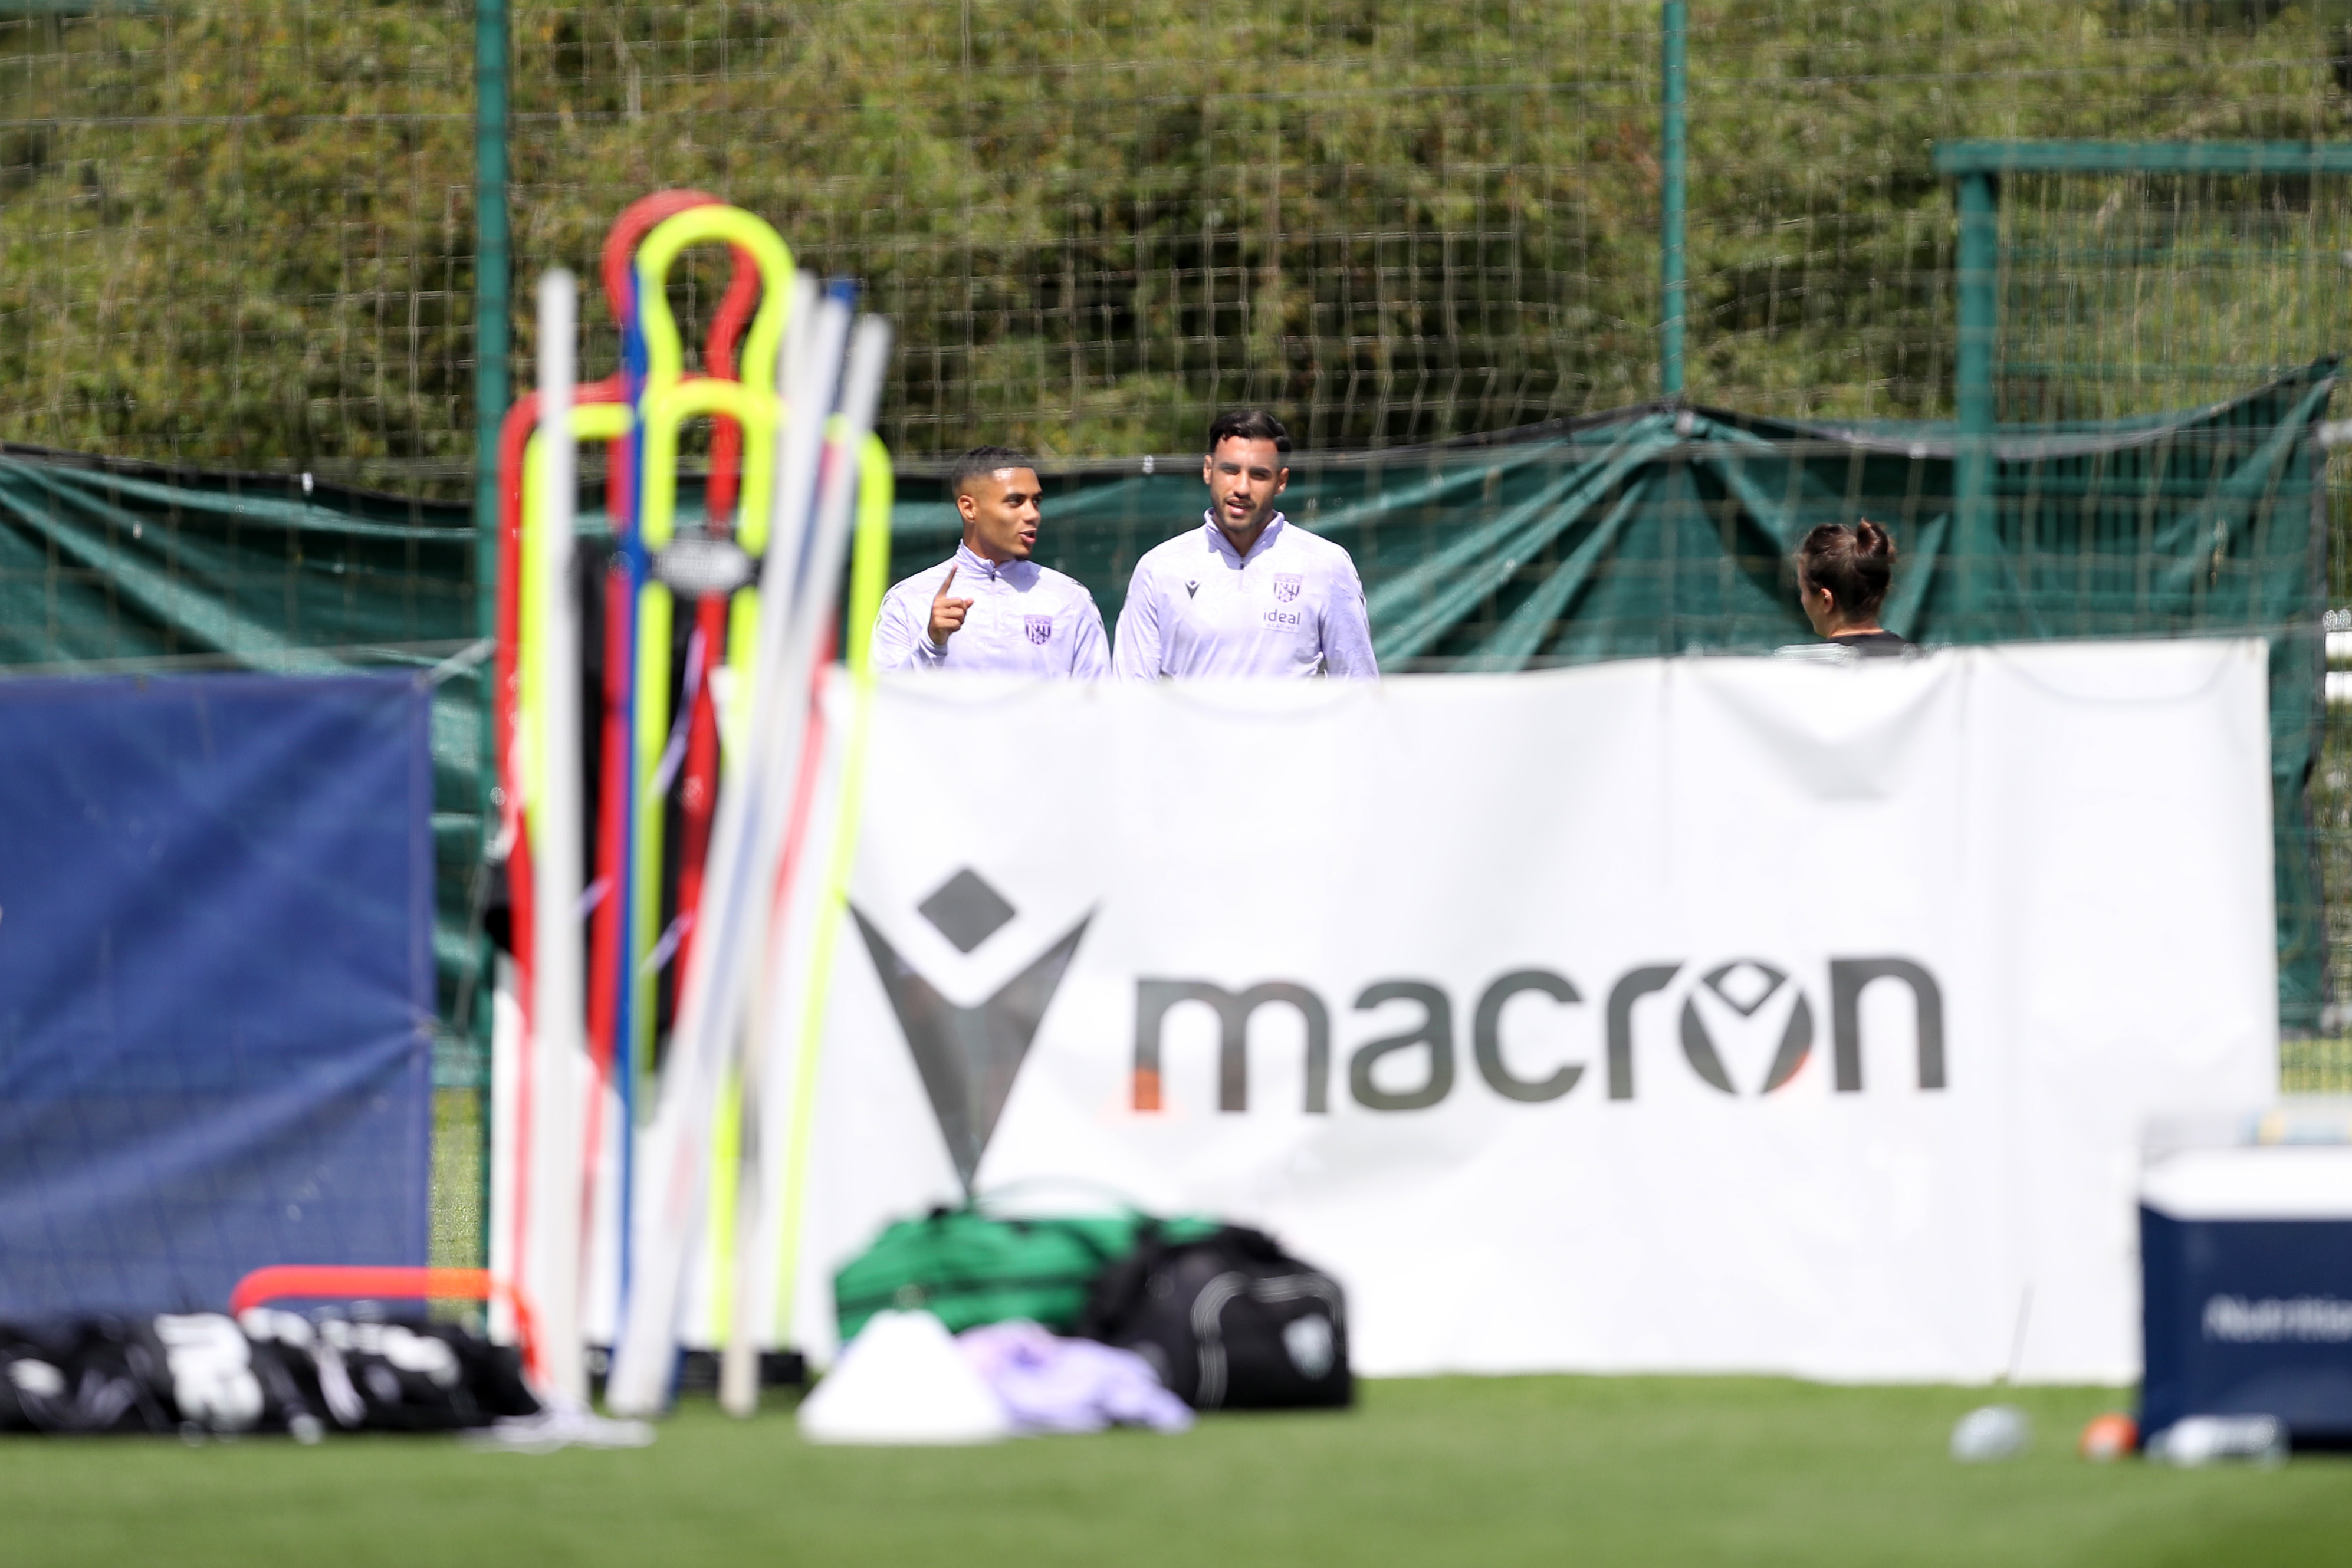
{"x": 1684, "y": 1015}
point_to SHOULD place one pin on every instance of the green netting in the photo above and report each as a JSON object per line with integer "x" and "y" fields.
{"x": 2122, "y": 293}
{"x": 1658, "y": 531}
{"x": 1648, "y": 531}
{"x": 108, "y": 566}
{"x": 241, "y": 232}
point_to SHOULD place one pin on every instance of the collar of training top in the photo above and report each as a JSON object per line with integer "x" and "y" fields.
{"x": 969, "y": 564}
{"x": 1225, "y": 546}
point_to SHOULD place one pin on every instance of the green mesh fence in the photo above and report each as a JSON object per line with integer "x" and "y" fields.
{"x": 239, "y": 231}
{"x": 2125, "y": 294}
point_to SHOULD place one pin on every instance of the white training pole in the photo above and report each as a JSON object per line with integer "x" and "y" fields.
{"x": 745, "y": 837}
{"x": 869, "y": 353}
{"x": 508, "y": 1043}
{"x": 551, "y": 1271}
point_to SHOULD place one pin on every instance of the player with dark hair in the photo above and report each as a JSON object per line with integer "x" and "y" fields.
{"x": 1012, "y": 614}
{"x": 1248, "y": 592}
{"x": 1841, "y": 580}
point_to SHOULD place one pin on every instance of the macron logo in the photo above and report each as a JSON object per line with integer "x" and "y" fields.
{"x": 967, "y": 1057}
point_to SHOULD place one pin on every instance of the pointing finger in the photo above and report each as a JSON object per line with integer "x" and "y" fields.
{"x": 944, "y": 586}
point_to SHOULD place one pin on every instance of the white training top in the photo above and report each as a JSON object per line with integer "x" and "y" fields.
{"x": 1294, "y": 607}
{"x": 1024, "y": 619}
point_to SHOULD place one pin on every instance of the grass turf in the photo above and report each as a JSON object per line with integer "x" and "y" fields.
{"x": 1443, "y": 1470}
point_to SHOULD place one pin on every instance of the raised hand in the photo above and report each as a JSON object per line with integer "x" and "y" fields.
{"x": 947, "y": 614}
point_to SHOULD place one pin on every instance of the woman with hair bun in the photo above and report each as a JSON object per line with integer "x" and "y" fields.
{"x": 1842, "y": 578}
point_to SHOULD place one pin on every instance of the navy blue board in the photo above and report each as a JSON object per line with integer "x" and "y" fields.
{"x": 2249, "y": 1317}
{"x": 215, "y": 984}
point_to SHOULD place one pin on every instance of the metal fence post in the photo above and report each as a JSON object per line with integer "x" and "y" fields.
{"x": 492, "y": 343}
{"x": 1980, "y": 266}
{"x": 1673, "y": 194}
{"x": 492, "y": 336}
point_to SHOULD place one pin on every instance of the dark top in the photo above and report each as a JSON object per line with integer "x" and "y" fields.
{"x": 1874, "y": 645}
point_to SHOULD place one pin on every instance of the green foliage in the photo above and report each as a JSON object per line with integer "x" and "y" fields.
{"x": 239, "y": 231}
{"x": 246, "y": 243}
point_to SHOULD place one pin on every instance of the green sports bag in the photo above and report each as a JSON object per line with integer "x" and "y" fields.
{"x": 967, "y": 1267}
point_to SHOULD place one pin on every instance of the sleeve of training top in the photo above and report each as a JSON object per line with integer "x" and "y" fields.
{"x": 1135, "y": 656}
{"x": 1347, "y": 633}
{"x": 901, "y": 641}
{"x": 1090, "y": 650}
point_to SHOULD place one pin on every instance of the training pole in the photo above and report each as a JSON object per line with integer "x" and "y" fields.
{"x": 746, "y": 840}
{"x": 553, "y": 1274}
{"x": 869, "y": 352}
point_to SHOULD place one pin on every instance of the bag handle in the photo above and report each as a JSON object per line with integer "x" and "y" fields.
{"x": 988, "y": 1203}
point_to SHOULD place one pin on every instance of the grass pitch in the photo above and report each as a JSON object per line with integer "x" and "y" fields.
{"x": 1435, "y": 1471}
{"x": 1427, "y": 1472}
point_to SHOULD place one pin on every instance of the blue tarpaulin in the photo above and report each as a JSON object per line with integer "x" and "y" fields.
{"x": 216, "y": 983}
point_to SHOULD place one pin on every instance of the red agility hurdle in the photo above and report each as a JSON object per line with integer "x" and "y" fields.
{"x": 356, "y": 1281}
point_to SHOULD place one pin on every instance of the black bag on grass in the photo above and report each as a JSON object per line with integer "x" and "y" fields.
{"x": 85, "y": 1376}
{"x": 373, "y": 1374}
{"x": 275, "y": 1372}
{"x": 1229, "y": 1320}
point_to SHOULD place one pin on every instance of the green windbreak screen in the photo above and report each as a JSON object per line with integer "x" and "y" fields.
{"x": 1649, "y": 531}
{"x": 1659, "y": 531}
{"x": 114, "y": 567}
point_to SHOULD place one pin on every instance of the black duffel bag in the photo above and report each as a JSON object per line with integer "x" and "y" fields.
{"x": 272, "y": 1372}
{"x": 1229, "y": 1320}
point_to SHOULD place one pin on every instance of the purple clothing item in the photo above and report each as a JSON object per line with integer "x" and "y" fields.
{"x": 1048, "y": 1384}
